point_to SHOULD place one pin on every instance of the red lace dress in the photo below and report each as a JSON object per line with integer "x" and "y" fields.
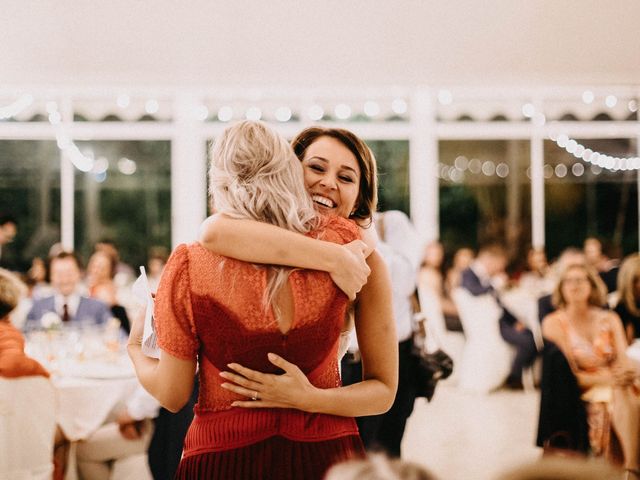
{"x": 210, "y": 307}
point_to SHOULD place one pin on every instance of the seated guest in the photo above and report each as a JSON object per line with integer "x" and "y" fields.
{"x": 592, "y": 339}
{"x": 431, "y": 277}
{"x": 122, "y": 443}
{"x": 66, "y": 301}
{"x": 606, "y": 267}
{"x": 536, "y": 280}
{"x": 13, "y": 361}
{"x": 628, "y": 307}
{"x": 100, "y": 272}
{"x": 461, "y": 261}
{"x": 479, "y": 279}
{"x": 569, "y": 256}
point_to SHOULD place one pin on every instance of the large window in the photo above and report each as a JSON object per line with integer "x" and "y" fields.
{"x": 585, "y": 200}
{"x": 30, "y": 191}
{"x": 484, "y": 194}
{"x": 392, "y": 157}
{"x": 126, "y": 198}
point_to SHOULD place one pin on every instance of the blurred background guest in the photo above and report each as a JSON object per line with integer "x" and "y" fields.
{"x": 100, "y": 272}
{"x": 462, "y": 259}
{"x": 486, "y": 275}
{"x": 593, "y": 341}
{"x": 536, "y": 279}
{"x": 431, "y": 277}
{"x": 67, "y": 302}
{"x": 628, "y": 303}
{"x": 401, "y": 249}
{"x": 569, "y": 256}
{"x": 8, "y": 231}
{"x": 157, "y": 260}
{"x": 118, "y": 449}
{"x": 606, "y": 267}
{"x": 13, "y": 361}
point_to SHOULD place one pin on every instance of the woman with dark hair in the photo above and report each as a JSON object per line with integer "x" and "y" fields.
{"x": 214, "y": 312}
{"x": 340, "y": 176}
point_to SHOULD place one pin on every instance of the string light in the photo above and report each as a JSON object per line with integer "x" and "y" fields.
{"x": 82, "y": 162}
{"x": 371, "y": 108}
{"x": 315, "y": 113}
{"x": 342, "y": 111}
{"x": 15, "y": 108}
{"x": 225, "y": 113}
{"x": 253, "y": 113}
{"x": 601, "y": 160}
{"x": 399, "y": 106}
{"x": 283, "y": 114}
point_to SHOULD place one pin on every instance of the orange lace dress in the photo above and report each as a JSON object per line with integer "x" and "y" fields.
{"x": 210, "y": 307}
{"x": 592, "y": 357}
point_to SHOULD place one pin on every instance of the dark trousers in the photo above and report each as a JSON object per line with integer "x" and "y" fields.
{"x": 525, "y": 347}
{"x": 165, "y": 448}
{"x": 385, "y": 431}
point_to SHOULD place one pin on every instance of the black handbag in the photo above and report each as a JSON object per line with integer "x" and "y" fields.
{"x": 429, "y": 362}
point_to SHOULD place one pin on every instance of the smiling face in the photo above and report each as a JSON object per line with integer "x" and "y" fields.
{"x": 332, "y": 176}
{"x": 575, "y": 285}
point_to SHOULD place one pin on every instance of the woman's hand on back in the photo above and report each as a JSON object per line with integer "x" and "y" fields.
{"x": 292, "y": 389}
{"x": 351, "y": 271}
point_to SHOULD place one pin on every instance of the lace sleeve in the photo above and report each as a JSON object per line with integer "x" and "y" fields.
{"x": 173, "y": 314}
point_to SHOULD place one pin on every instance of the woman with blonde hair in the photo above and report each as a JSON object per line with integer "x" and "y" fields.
{"x": 340, "y": 178}
{"x": 592, "y": 339}
{"x": 628, "y": 307}
{"x": 213, "y": 312}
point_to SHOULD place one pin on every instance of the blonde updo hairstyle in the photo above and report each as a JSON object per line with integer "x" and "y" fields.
{"x": 255, "y": 175}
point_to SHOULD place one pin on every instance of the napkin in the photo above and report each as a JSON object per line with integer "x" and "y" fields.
{"x": 142, "y": 293}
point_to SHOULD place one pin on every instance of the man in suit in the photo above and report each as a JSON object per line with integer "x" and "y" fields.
{"x": 479, "y": 279}
{"x": 66, "y": 301}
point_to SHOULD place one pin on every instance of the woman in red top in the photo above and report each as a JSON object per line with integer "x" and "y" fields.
{"x": 340, "y": 176}
{"x": 219, "y": 311}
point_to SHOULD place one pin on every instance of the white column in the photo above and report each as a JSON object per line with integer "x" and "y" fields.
{"x": 638, "y": 186}
{"x": 67, "y": 184}
{"x": 537, "y": 191}
{"x": 423, "y": 166}
{"x": 188, "y": 172}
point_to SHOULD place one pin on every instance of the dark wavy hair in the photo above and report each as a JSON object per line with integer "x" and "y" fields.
{"x": 368, "y": 189}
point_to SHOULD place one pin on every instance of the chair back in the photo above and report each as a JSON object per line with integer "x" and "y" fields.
{"x": 487, "y": 357}
{"x": 27, "y": 428}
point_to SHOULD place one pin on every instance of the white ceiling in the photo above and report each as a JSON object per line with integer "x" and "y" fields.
{"x": 327, "y": 43}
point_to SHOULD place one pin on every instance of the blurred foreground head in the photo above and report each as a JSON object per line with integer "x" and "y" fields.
{"x": 564, "y": 469}
{"x": 378, "y": 467}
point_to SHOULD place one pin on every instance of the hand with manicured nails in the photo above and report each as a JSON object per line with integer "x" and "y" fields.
{"x": 291, "y": 389}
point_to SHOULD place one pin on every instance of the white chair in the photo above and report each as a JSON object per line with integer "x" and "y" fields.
{"x": 451, "y": 342}
{"x": 27, "y": 428}
{"x": 487, "y": 357}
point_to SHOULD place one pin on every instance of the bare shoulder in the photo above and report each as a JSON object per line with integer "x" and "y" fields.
{"x": 551, "y": 323}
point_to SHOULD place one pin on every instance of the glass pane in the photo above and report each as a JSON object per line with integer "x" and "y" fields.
{"x": 30, "y": 191}
{"x": 129, "y": 202}
{"x": 585, "y": 200}
{"x": 393, "y": 173}
{"x": 485, "y": 194}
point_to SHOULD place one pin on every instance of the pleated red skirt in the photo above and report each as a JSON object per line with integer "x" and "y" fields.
{"x": 276, "y": 458}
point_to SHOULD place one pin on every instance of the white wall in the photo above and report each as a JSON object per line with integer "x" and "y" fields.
{"x": 319, "y": 42}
